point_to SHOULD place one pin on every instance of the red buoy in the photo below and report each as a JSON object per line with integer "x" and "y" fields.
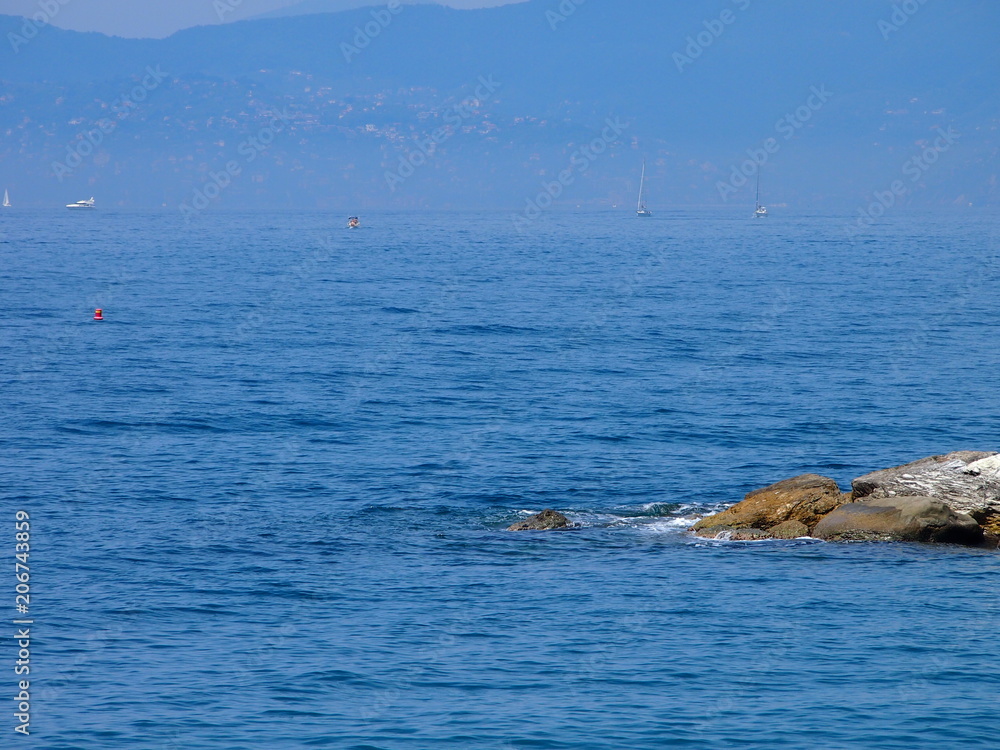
{"x": 98, "y": 314}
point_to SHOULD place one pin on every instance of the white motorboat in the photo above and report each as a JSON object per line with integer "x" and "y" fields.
{"x": 81, "y": 204}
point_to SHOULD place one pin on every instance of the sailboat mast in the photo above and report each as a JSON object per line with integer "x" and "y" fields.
{"x": 757, "y": 199}
{"x": 642, "y": 182}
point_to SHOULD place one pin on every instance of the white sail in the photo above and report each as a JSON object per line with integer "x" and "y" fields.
{"x": 6, "y": 199}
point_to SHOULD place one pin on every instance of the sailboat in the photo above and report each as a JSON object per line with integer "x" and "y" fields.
{"x": 6, "y": 199}
{"x": 642, "y": 210}
{"x": 760, "y": 212}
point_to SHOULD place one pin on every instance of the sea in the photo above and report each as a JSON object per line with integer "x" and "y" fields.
{"x": 267, "y": 495}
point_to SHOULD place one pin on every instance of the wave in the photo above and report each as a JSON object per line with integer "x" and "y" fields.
{"x": 490, "y": 329}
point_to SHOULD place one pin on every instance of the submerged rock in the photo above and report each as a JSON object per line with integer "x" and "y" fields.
{"x": 966, "y": 481}
{"x": 544, "y": 521}
{"x": 900, "y": 519}
{"x": 728, "y": 533}
{"x": 785, "y": 530}
{"x": 789, "y": 530}
{"x": 805, "y": 499}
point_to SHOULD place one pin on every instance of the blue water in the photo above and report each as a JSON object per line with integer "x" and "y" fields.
{"x": 268, "y": 493}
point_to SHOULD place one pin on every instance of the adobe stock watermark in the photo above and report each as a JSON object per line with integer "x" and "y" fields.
{"x": 914, "y": 168}
{"x": 579, "y": 162}
{"x": 901, "y": 15}
{"x": 224, "y": 7}
{"x": 714, "y": 29}
{"x": 625, "y": 290}
{"x": 87, "y": 141}
{"x": 363, "y": 35}
{"x": 284, "y": 285}
{"x": 786, "y": 127}
{"x": 562, "y": 13}
{"x": 47, "y": 10}
{"x": 250, "y": 148}
{"x": 453, "y": 118}
{"x": 410, "y": 679}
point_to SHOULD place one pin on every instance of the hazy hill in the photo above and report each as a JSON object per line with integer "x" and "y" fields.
{"x": 560, "y": 78}
{"x": 314, "y": 7}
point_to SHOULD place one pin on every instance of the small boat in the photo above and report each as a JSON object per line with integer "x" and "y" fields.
{"x": 760, "y": 212}
{"x": 353, "y": 222}
{"x": 642, "y": 210}
{"x": 6, "y": 200}
{"x": 81, "y": 204}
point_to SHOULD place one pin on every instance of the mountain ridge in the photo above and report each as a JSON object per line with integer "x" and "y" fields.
{"x": 695, "y": 120}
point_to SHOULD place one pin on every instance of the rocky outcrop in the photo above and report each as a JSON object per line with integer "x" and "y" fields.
{"x": 952, "y": 498}
{"x": 900, "y": 519}
{"x": 805, "y": 499}
{"x": 547, "y": 520}
{"x": 966, "y": 481}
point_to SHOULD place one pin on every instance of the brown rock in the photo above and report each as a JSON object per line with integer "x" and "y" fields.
{"x": 789, "y": 530}
{"x": 899, "y": 519}
{"x": 806, "y": 499}
{"x": 544, "y": 521}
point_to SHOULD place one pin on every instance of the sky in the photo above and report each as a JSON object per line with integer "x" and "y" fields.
{"x": 159, "y": 18}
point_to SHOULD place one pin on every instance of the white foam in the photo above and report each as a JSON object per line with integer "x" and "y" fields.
{"x": 644, "y": 524}
{"x": 664, "y": 525}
